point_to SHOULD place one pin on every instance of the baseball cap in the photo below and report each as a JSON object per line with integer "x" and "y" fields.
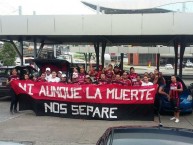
{"x": 87, "y": 76}
{"x": 48, "y": 69}
{"x": 63, "y": 75}
{"x": 60, "y": 72}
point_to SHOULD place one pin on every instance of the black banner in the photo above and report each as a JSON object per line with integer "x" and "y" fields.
{"x": 81, "y": 110}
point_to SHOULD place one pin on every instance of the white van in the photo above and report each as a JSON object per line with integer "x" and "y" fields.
{"x": 26, "y": 61}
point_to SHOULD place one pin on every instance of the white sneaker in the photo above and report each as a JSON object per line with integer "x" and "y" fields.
{"x": 173, "y": 118}
{"x": 177, "y": 120}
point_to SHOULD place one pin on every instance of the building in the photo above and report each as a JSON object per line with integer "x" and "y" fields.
{"x": 142, "y": 6}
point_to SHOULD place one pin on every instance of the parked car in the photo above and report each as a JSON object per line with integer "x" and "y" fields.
{"x": 5, "y": 73}
{"x": 186, "y": 101}
{"x": 168, "y": 66}
{"x": 54, "y": 65}
{"x": 189, "y": 64}
{"x": 129, "y": 135}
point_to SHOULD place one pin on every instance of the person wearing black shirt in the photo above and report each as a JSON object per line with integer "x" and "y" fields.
{"x": 14, "y": 98}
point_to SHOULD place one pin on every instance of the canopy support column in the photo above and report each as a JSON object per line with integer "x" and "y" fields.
{"x": 103, "y": 54}
{"x": 176, "y": 57}
{"x": 96, "y": 47}
{"x": 158, "y": 61}
{"x": 21, "y": 50}
{"x": 35, "y": 49}
{"x": 40, "y": 49}
{"x": 182, "y": 49}
{"x": 121, "y": 63}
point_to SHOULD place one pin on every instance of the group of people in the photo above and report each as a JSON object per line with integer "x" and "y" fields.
{"x": 109, "y": 75}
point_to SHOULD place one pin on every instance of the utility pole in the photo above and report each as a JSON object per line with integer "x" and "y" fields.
{"x": 184, "y": 7}
{"x": 98, "y": 9}
{"x": 20, "y": 10}
{"x": 34, "y": 12}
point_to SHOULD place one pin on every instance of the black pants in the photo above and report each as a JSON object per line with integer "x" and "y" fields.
{"x": 14, "y": 100}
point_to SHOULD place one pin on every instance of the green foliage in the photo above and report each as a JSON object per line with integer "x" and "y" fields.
{"x": 8, "y": 54}
{"x": 79, "y": 56}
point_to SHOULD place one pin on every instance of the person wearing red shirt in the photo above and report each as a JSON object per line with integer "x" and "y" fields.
{"x": 125, "y": 81}
{"x": 42, "y": 78}
{"x": 117, "y": 80}
{"x": 14, "y": 98}
{"x": 102, "y": 80}
{"x": 109, "y": 72}
{"x": 133, "y": 75}
{"x": 175, "y": 89}
{"x": 101, "y": 71}
{"x": 81, "y": 76}
{"x": 87, "y": 80}
{"x": 138, "y": 82}
{"x": 93, "y": 73}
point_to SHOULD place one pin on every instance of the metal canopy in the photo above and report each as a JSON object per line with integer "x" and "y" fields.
{"x": 133, "y": 29}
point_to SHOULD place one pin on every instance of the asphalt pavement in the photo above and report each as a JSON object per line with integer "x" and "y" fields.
{"x": 29, "y": 129}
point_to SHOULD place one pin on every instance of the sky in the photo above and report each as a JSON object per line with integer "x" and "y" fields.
{"x": 61, "y": 7}
{"x": 44, "y": 7}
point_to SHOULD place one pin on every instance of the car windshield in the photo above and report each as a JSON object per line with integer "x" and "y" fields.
{"x": 151, "y": 137}
{"x": 4, "y": 71}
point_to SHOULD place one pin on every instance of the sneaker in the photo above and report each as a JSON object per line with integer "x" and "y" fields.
{"x": 177, "y": 120}
{"x": 173, "y": 118}
{"x": 11, "y": 112}
{"x": 15, "y": 111}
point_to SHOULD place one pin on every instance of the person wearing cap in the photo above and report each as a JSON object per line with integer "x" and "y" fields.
{"x": 117, "y": 70}
{"x": 48, "y": 73}
{"x": 87, "y": 80}
{"x": 59, "y": 74}
{"x": 63, "y": 79}
{"x": 54, "y": 78}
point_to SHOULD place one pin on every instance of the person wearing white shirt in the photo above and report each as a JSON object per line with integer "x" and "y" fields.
{"x": 146, "y": 82}
{"x": 53, "y": 78}
{"x": 48, "y": 74}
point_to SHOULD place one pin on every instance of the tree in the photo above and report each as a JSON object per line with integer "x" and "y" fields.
{"x": 8, "y": 54}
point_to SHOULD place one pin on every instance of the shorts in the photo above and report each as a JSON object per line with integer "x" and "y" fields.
{"x": 175, "y": 104}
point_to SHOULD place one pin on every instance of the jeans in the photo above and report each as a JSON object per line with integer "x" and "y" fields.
{"x": 14, "y": 100}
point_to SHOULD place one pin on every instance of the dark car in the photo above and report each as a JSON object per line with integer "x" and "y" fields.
{"x": 54, "y": 65}
{"x": 186, "y": 102}
{"x": 5, "y": 73}
{"x": 146, "y": 136}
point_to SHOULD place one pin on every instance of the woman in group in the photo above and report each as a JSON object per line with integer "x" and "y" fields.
{"x": 81, "y": 76}
{"x": 42, "y": 78}
{"x": 109, "y": 72}
{"x": 14, "y": 98}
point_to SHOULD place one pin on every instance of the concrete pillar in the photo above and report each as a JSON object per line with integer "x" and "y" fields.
{"x": 158, "y": 60}
{"x": 21, "y": 50}
{"x": 103, "y": 54}
{"x": 96, "y": 47}
{"x": 35, "y": 49}
{"x": 176, "y": 57}
{"x": 182, "y": 49}
{"x": 121, "y": 63}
